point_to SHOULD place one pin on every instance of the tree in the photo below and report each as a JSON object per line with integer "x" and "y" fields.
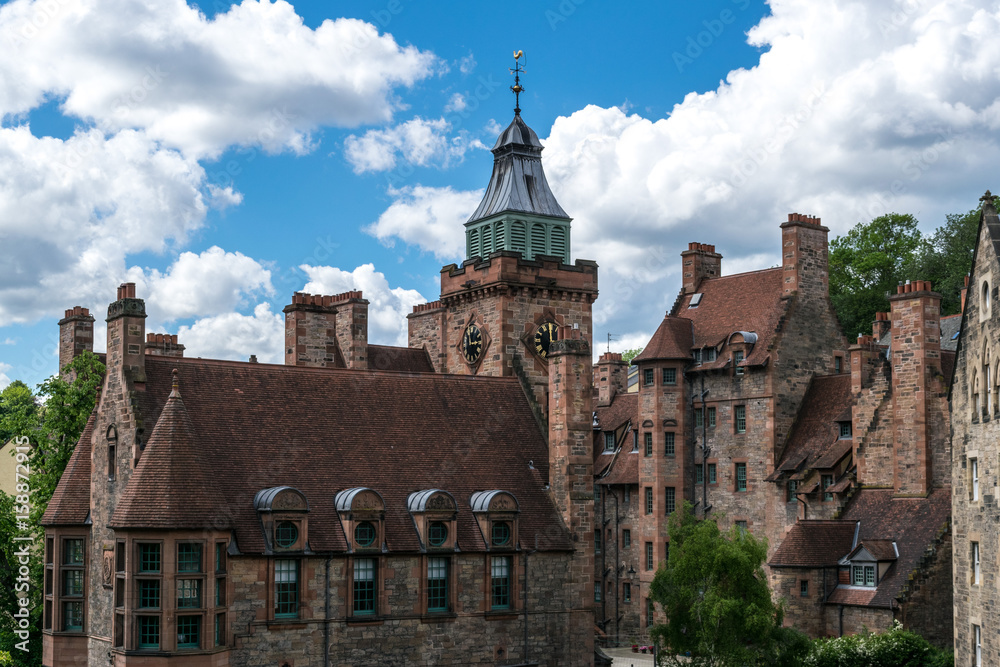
{"x": 17, "y": 409}
{"x": 866, "y": 264}
{"x": 717, "y": 602}
{"x": 629, "y": 355}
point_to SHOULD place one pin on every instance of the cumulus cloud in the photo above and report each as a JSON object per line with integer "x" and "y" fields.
{"x": 387, "y": 308}
{"x": 456, "y": 103}
{"x": 418, "y": 142}
{"x": 164, "y": 67}
{"x": 855, "y": 110}
{"x": 198, "y": 284}
{"x": 431, "y": 218}
{"x": 4, "y": 379}
{"x": 236, "y": 336}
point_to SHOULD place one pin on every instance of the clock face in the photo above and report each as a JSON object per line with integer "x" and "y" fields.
{"x": 544, "y": 335}
{"x": 472, "y": 343}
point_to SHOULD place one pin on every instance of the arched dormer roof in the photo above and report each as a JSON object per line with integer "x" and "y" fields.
{"x": 748, "y": 337}
{"x": 358, "y": 498}
{"x": 494, "y": 501}
{"x": 280, "y": 498}
{"x": 430, "y": 499}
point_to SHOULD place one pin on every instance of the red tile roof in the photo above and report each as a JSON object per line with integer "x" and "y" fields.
{"x": 815, "y": 543}
{"x": 402, "y": 359}
{"x": 815, "y": 438}
{"x": 852, "y": 596}
{"x": 673, "y": 339}
{"x": 625, "y": 469}
{"x": 70, "y": 503}
{"x": 879, "y": 549}
{"x": 742, "y": 302}
{"x": 257, "y": 426}
{"x": 623, "y": 409}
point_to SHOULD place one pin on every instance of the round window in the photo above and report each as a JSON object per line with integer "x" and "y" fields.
{"x": 437, "y": 533}
{"x": 286, "y": 534}
{"x": 501, "y": 533}
{"x": 364, "y": 533}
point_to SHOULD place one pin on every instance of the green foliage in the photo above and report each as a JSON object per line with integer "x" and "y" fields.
{"x": 629, "y": 355}
{"x": 717, "y": 602}
{"x": 53, "y": 430}
{"x": 895, "y": 648}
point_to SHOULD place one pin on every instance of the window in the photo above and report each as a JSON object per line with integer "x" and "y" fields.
{"x": 974, "y": 479}
{"x": 626, "y": 538}
{"x": 845, "y": 430}
{"x": 72, "y": 585}
{"x": 149, "y": 593}
{"x": 149, "y": 558}
{"x": 437, "y": 584}
{"x": 597, "y": 591}
{"x": 628, "y": 496}
{"x": 804, "y": 584}
{"x": 669, "y": 376}
{"x": 647, "y": 439}
{"x": 188, "y": 631}
{"x": 220, "y": 629}
{"x": 500, "y": 533}
{"x": 741, "y": 527}
{"x": 709, "y": 354}
{"x": 647, "y": 377}
{"x": 286, "y": 588}
{"x": 188, "y": 557}
{"x": 649, "y": 556}
{"x": 149, "y": 631}
{"x": 741, "y": 418}
{"x": 711, "y": 417}
{"x": 699, "y": 417}
{"x": 668, "y": 447}
{"x": 73, "y": 552}
{"x": 838, "y": 365}
{"x": 976, "y": 574}
{"x": 671, "y": 503}
{"x": 826, "y": 481}
{"x": 286, "y": 534}
{"x": 220, "y": 592}
{"x": 609, "y": 441}
{"x": 793, "y": 486}
{"x": 437, "y": 533}
{"x": 863, "y": 575}
{"x": 597, "y": 493}
{"x": 977, "y": 645}
{"x": 696, "y": 355}
{"x": 364, "y": 534}
{"x": 699, "y": 474}
{"x": 649, "y": 612}
{"x": 500, "y": 584}
{"x": 649, "y": 500}
{"x": 112, "y": 461}
{"x": 711, "y": 473}
{"x": 626, "y": 592}
{"x": 741, "y": 476}
{"x": 188, "y": 593}
{"x": 73, "y": 616}
{"x": 597, "y": 541}
{"x": 364, "y": 586}
{"x": 738, "y": 359}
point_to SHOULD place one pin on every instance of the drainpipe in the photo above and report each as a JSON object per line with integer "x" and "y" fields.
{"x": 604, "y": 555}
{"x": 326, "y": 618}
{"x": 525, "y": 589}
{"x": 614, "y": 495}
{"x": 704, "y": 450}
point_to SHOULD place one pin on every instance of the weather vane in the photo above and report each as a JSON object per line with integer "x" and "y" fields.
{"x": 516, "y": 88}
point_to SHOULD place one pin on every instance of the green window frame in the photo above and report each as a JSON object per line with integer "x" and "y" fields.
{"x": 188, "y": 593}
{"x": 626, "y": 592}
{"x": 699, "y": 474}
{"x": 597, "y": 591}
{"x": 364, "y": 586}
{"x": 365, "y": 533}
{"x": 437, "y": 583}
{"x": 609, "y": 441}
{"x": 220, "y": 556}
{"x": 72, "y": 583}
{"x": 149, "y": 631}
{"x": 437, "y": 533}
{"x": 73, "y": 616}
{"x": 791, "y": 489}
{"x": 220, "y": 629}
{"x": 597, "y": 541}
{"x": 741, "y": 418}
{"x": 286, "y": 534}
{"x": 699, "y": 417}
{"x": 711, "y": 417}
{"x": 670, "y": 498}
{"x": 647, "y": 439}
{"x": 188, "y": 632}
{"x": 737, "y": 361}
{"x": 149, "y": 557}
{"x": 500, "y": 582}
{"x": 220, "y": 592}
{"x": 845, "y": 431}
{"x": 649, "y": 500}
{"x": 669, "y": 376}
{"x": 189, "y": 557}
{"x": 741, "y": 476}
{"x": 826, "y": 482}
{"x": 649, "y": 556}
{"x": 669, "y": 439}
{"x": 286, "y": 588}
{"x": 626, "y": 538}
{"x": 149, "y": 593}
{"x": 712, "y": 476}
{"x": 500, "y": 533}
{"x": 648, "y": 378}
{"x": 73, "y": 551}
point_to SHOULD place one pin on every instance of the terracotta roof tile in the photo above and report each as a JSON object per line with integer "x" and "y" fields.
{"x": 879, "y": 549}
{"x": 852, "y": 596}
{"x": 323, "y": 430}
{"x": 815, "y": 438}
{"x": 815, "y": 543}
{"x": 741, "y": 302}
{"x": 402, "y": 359}
{"x": 673, "y": 339}
{"x": 625, "y": 469}
{"x": 70, "y": 503}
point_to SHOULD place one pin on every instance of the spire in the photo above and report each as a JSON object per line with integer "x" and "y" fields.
{"x": 516, "y": 88}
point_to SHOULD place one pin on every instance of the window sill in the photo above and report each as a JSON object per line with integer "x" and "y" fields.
{"x": 288, "y": 623}
{"x": 438, "y": 617}
{"x": 365, "y": 620}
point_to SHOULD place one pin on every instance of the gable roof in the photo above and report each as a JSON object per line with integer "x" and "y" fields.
{"x": 402, "y": 359}
{"x": 257, "y": 426}
{"x": 70, "y": 503}
{"x": 624, "y": 408}
{"x": 673, "y": 339}
{"x": 877, "y": 549}
{"x": 750, "y": 302}
{"x": 815, "y": 543}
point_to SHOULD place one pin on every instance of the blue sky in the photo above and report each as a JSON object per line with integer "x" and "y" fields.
{"x": 224, "y": 157}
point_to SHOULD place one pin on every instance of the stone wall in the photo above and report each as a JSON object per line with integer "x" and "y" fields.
{"x": 614, "y": 555}
{"x": 803, "y": 612}
{"x": 845, "y": 620}
{"x": 930, "y": 596}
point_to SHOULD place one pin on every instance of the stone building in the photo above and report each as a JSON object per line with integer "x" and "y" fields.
{"x": 975, "y": 473}
{"x": 237, "y": 513}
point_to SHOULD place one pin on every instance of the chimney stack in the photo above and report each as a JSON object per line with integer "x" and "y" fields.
{"x": 327, "y": 331}
{"x": 610, "y": 376}
{"x": 880, "y": 326}
{"x": 698, "y": 262}
{"x": 804, "y": 256}
{"x": 127, "y": 335}
{"x": 163, "y": 345}
{"x": 76, "y": 335}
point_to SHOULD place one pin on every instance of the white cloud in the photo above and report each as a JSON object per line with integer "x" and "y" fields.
{"x": 9, "y": 341}
{"x": 456, "y": 103}
{"x": 387, "y": 308}
{"x": 431, "y": 218}
{"x": 70, "y": 212}
{"x": 417, "y": 141}
{"x": 236, "y": 336}
{"x": 467, "y": 64}
{"x": 195, "y": 285}
{"x": 4, "y": 379}
{"x": 855, "y": 109}
{"x": 255, "y": 74}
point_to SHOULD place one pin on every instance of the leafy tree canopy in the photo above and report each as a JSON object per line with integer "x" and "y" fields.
{"x": 17, "y": 409}
{"x": 629, "y": 355}
{"x": 717, "y": 602}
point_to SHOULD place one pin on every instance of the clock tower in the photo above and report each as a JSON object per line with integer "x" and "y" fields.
{"x": 501, "y": 310}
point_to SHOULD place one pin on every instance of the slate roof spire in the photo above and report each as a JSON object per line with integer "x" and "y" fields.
{"x": 518, "y": 211}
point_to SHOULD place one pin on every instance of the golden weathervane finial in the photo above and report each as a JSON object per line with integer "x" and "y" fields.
{"x": 516, "y": 70}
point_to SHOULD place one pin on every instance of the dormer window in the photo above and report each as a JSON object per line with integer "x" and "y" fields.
{"x": 845, "y": 430}
{"x": 365, "y": 534}
{"x": 695, "y": 300}
{"x": 434, "y": 515}
{"x": 709, "y": 354}
{"x": 362, "y": 513}
{"x": 863, "y": 575}
{"x": 738, "y": 361}
{"x": 609, "y": 441}
{"x": 696, "y": 355}
{"x": 282, "y": 511}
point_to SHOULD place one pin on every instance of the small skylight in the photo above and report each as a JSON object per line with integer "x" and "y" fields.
{"x": 955, "y": 335}
{"x": 695, "y": 300}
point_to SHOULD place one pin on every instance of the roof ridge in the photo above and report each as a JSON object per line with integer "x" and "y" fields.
{"x": 738, "y": 275}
